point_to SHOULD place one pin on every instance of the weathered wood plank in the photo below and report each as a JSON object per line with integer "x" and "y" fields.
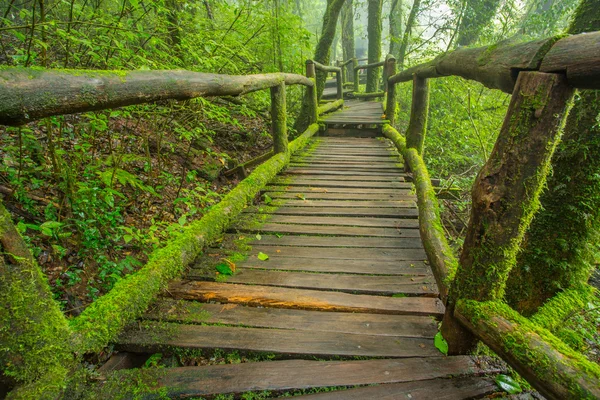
{"x": 347, "y": 221}
{"x": 313, "y": 321}
{"x": 315, "y": 172}
{"x": 329, "y": 189}
{"x": 334, "y": 157}
{"x": 352, "y": 178}
{"x": 342, "y": 254}
{"x": 309, "y": 182}
{"x": 439, "y": 389}
{"x": 333, "y": 230}
{"x": 376, "y": 285}
{"x": 348, "y": 212}
{"x": 305, "y": 374}
{"x": 269, "y": 296}
{"x": 325, "y": 241}
{"x": 369, "y": 267}
{"x": 345, "y": 203}
{"x": 341, "y": 196}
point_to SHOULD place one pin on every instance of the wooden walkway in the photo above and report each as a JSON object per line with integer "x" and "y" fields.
{"x": 346, "y": 278}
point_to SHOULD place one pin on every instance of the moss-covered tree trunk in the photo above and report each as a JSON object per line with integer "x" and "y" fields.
{"x": 33, "y": 331}
{"x": 562, "y": 245}
{"x": 395, "y": 23}
{"x": 478, "y": 14}
{"x": 374, "y": 36}
{"x": 505, "y": 195}
{"x": 322, "y": 51}
{"x": 348, "y": 49}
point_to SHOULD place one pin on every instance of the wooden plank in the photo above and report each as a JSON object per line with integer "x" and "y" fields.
{"x": 340, "y": 196}
{"x": 351, "y": 167}
{"x": 314, "y": 321}
{"x": 364, "y": 185}
{"x": 369, "y": 267}
{"x": 306, "y": 374}
{"x": 330, "y": 189}
{"x": 278, "y": 341}
{"x": 352, "y": 159}
{"x": 347, "y": 221}
{"x": 270, "y": 296}
{"x": 313, "y": 171}
{"x": 356, "y": 178}
{"x": 347, "y": 212}
{"x": 377, "y": 285}
{"x": 391, "y": 163}
{"x": 439, "y": 389}
{"x": 325, "y": 241}
{"x": 345, "y": 203}
{"x": 350, "y": 151}
{"x": 332, "y": 230}
{"x": 342, "y": 253}
{"x": 362, "y": 157}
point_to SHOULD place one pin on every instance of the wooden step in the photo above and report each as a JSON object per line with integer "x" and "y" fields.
{"x": 306, "y": 374}
{"x": 348, "y": 221}
{"x": 308, "y": 171}
{"x": 191, "y": 312}
{"x": 335, "y": 183}
{"x": 438, "y": 389}
{"x": 344, "y": 241}
{"x": 156, "y": 337}
{"x": 375, "y": 285}
{"x": 343, "y": 212}
{"x": 330, "y": 230}
{"x": 341, "y": 253}
{"x": 363, "y": 178}
{"x": 369, "y": 267}
{"x": 351, "y": 167}
{"x": 311, "y": 195}
{"x": 330, "y": 189}
{"x": 269, "y": 296}
{"x": 321, "y": 158}
{"x": 344, "y": 203}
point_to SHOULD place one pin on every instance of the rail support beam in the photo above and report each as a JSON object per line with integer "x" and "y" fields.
{"x": 417, "y": 127}
{"x": 313, "y": 102}
{"x": 390, "y": 88}
{"x": 278, "y": 119}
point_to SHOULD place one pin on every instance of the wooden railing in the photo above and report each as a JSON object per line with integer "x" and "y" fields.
{"x": 542, "y": 76}
{"x": 328, "y": 69}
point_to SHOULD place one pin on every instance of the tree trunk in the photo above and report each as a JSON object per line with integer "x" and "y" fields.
{"x": 322, "y": 56}
{"x": 374, "y": 36}
{"x": 478, "y": 14}
{"x": 505, "y": 194}
{"x": 561, "y": 246}
{"x": 348, "y": 35}
{"x": 412, "y": 17}
{"x": 396, "y": 9}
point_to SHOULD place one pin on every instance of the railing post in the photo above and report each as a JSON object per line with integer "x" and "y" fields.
{"x": 340, "y": 85}
{"x": 355, "y": 69}
{"x": 390, "y": 103}
{"x": 313, "y": 102}
{"x": 278, "y": 118}
{"x": 341, "y": 66}
{"x": 415, "y": 135}
{"x": 505, "y": 195}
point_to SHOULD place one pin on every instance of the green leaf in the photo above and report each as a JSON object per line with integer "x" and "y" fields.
{"x": 182, "y": 220}
{"x": 258, "y": 237}
{"x": 224, "y": 269}
{"x": 508, "y": 384}
{"x": 262, "y": 256}
{"x": 440, "y": 343}
{"x": 127, "y": 238}
{"x": 268, "y": 199}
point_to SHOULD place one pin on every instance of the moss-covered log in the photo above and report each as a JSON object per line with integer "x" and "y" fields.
{"x": 562, "y": 306}
{"x": 549, "y": 365}
{"x": 417, "y": 127}
{"x": 439, "y": 254}
{"x": 356, "y": 76}
{"x": 130, "y": 297}
{"x": 27, "y": 94}
{"x": 367, "y": 96}
{"x": 325, "y": 68}
{"x": 495, "y": 66}
{"x": 561, "y": 247}
{"x": 374, "y": 38}
{"x": 278, "y": 119}
{"x": 35, "y": 336}
{"x": 311, "y": 100}
{"x": 334, "y": 105}
{"x": 505, "y": 194}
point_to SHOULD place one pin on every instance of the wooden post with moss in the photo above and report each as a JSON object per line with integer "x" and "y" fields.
{"x": 311, "y": 94}
{"x": 278, "y": 119}
{"x": 340, "y": 84}
{"x": 390, "y": 88}
{"x": 36, "y": 340}
{"x": 340, "y": 64}
{"x": 415, "y": 134}
{"x": 505, "y": 195}
{"x": 356, "y": 76}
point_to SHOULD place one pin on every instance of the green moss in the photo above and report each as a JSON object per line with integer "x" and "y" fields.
{"x": 517, "y": 342}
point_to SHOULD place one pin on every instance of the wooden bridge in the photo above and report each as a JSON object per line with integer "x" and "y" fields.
{"x": 332, "y": 264}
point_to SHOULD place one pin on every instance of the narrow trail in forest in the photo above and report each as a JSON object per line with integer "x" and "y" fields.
{"x": 345, "y": 298}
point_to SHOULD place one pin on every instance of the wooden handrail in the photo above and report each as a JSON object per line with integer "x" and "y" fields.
{"x": 369, "y": 66}
{"x": 338, "y": 75}
{"x": 28, "y": 94}
{"x": 326, "y": 68}
{"x": 497, "y": 66}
